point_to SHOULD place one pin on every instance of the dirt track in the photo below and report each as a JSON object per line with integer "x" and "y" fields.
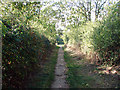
{"x": 60, "y": 72}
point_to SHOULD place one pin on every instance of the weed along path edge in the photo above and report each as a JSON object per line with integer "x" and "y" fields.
{"x": 60, "y": 72}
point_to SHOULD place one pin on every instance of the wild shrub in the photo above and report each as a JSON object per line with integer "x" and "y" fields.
{"x": 106, "y": 37}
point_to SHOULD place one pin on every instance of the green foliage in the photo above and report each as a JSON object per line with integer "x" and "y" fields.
{"x": 106, "y": 37}
{"x": 102, "y": 37}
{"x": 25, "y": 41}
{"x": 21, "y": 53}
{"x": 80, "y": 36}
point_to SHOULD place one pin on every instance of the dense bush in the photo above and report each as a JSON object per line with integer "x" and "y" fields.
{"x": 25, "y": 42}
{"x": 100, "y": 39}
{"x": 106, "y": 37}
{"x": 81, "y": 37}
{"x": 20, "y": 54}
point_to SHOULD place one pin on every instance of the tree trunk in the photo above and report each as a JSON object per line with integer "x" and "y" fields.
{"x": 89, "y": 12}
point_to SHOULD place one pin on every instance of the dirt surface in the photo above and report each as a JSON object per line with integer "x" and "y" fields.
{"x": 102, "y": 77}
{"x": 60, "y": 72}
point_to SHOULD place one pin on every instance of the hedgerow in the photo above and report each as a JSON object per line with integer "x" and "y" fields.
{"x": 106, "y": 37}
{"x": 99, "y": 40}
{"x": 24, "y": 42}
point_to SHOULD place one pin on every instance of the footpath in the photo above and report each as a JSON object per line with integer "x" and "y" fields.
{"x": 60, "y": 72}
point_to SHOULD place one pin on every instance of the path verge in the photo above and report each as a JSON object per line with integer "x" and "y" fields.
{"x": 82, "y": 74}
{"x": 44, "y": 75}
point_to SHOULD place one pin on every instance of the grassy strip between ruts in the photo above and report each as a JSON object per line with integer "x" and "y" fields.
{"x": 75, "y": 78}
{"x": 45, "y": 75}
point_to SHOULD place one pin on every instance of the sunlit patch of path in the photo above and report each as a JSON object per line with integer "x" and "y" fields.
{"x": 60, "y": 72}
